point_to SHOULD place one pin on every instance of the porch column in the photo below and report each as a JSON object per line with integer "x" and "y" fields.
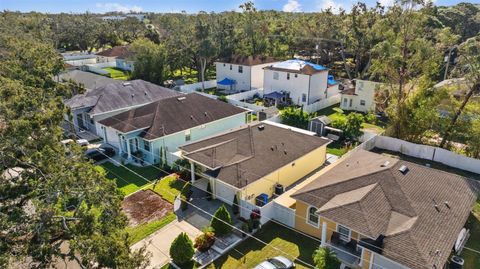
{"x": 129, "y": 151}
{"x": 192, "y": 171}
{"x": 324, "y": 234}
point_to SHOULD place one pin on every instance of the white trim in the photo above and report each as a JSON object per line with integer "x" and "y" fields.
{"x": 349, "y": 232}
{"x": 361, "y": 255}
{"x": 371, "y": 259}
{"x": 307, "y": 220}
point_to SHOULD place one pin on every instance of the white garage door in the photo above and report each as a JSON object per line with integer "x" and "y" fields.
{"x": 224, "y": 192}
{"x": 112, "y": 138}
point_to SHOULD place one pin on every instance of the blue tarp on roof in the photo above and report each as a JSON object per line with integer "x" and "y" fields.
{"x": 315, "y": 66}
{"x": 227, "y": 82}
{"x": 274, "y": 95}
{"x": 331, "y": 80}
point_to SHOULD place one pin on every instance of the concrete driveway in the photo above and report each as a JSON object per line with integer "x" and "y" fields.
{"x": 158, "y": 244}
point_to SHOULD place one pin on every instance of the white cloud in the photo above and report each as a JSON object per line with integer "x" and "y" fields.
{"x": 106, "y": 7}
{"x": 292, "y": 6}
{"x": 386, "y": 3}
{"x": 325, "y": 4}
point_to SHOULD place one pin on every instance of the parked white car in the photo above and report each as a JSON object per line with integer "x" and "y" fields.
{"x": 278, "y": 262}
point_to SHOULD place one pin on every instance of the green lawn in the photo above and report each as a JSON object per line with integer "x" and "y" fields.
{"x": 141, "y": 231}
{"x": 336, "y": 148}
{"x": 128, "y": 181}
{"x": 168, "y": 187}
{"x": 116, "y": 73}
{"x": 472, "y": 259}
{"x": 189, "y": 75}
{"x": 281, "y": 241}
{"x": 190, "y": 265}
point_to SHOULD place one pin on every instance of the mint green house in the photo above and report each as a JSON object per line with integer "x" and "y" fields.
{"x": 155, "y": 131}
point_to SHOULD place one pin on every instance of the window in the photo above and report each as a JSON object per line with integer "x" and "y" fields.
{"x": 344, "y": 232}
{"x": 296, "y": 75}
{"x": 345, "y": 100}
{"x": 312, "y": 217}
{"x": 304, "y": 97}
{"x": 230, "y": 67}
{"x": 187, "y": 135}
{"x": 362, "y": 102}
{"x": 275, "y": 75}
{"x": 351, "y": 100}
{"x": 146, "y": 145}
{"x": 224, "y": 65}
{"x": 288, "y": 75}
{"x": 240, "y": 69}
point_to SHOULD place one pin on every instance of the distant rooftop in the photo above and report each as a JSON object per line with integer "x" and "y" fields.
{"x": 298, "y": 66}
{"x": 117, "y": 51}
{"x": 87, "y": 79}
{"x": 248, "y": 60}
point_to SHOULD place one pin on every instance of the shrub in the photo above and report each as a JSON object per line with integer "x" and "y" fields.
{"x": 222, "y": 98}
{"x": 325, "y": 258}
{"x": 221, "y": 221}
{"x": 181, "y": 250}
{"x": 205, "y": 241}
{"x": 371, "y": 118}
{"x": 235, "y": 207}
{"x": 295, "y": 117}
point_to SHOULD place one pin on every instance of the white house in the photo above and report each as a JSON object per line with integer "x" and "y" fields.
{"x": 241, "y": 73}
{"x": 111, "y": 99}
{"x": 304, "y": 82}
{"x": 158, "y": 129}
{"x": 359, "y": 96}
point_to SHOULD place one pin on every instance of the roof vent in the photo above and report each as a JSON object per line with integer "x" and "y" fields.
{"x": 436, "y": 207}
{"x": 133, "y": 95}
{"x": 126, "y": 84}
{"x": 385, "y": 164}
{"x": 403, "y": 169}
{"x": 191, "y": 117}
{"x": 261, "y": 127}
{"x": 206, "y": 114}
{"x": 181, "y": 98}
{"x": 447, "y": 204}
{"x": 145, "y": 93}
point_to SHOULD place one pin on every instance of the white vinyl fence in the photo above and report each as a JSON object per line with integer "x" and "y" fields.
{"x": 330, "y": 101}
{"x": 268, "y": 212}
{"x": 188, "y": 88}
{"x": 98, "y": 68}
{"x": 428, "y": 152}
{"x": 245, "y": 95}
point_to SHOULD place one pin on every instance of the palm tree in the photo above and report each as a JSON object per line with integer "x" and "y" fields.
{"x": 325, "y": 258}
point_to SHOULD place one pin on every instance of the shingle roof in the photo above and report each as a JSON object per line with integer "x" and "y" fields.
{"x": 398, "y": 205}
{"x": 87, "y": 79}
{"x": 119, "y": 95}
{"x": 248, "y": 60}
{"x": 117, "y": 51}
{"x": 297, "y": 66}
{"x": 245, "y": 155}
{"x": 172, "y": 115}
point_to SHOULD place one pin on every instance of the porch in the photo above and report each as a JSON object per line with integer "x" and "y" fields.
{"x": 347, "y": 252}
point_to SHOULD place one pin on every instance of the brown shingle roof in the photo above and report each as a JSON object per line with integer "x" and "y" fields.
{"x": 398, "y": 205}
{"x": 248, "y": 60}
{"x": 117, "y": 51}
{"x": 172, "y": 115}
{"x": 245, "y": 155}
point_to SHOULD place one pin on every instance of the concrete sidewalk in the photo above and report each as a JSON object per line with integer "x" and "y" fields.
{"x": 158, "y": 244}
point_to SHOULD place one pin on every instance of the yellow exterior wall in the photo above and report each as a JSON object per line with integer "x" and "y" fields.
{"x": 366, "y": 258}
{"x": 286, "y": 175}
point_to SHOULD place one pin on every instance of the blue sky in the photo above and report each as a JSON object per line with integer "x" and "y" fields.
{"x": 191, "y": 6}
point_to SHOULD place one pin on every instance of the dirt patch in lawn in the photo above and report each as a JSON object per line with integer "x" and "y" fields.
{"x": 145, "y": 206}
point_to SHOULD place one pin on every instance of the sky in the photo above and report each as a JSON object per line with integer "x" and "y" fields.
{"x": 190, "y": 6}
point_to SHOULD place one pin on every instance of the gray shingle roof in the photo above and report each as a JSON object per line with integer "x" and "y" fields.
{"x": 172, "y": 115}
{"x": 245, "y": 155}
{"x": 398, "y": 205}
{"x": 121, "y": 95}
{"x": 87, "y": 79}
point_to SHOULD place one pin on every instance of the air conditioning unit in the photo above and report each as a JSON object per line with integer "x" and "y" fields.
{"x": 456, "y": 262}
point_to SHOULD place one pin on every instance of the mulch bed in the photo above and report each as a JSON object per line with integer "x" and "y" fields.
{"x": 145, "y": 206}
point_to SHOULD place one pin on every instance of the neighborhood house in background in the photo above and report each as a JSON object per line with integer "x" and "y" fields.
{"x": 381, "y": 212}
{"x": 102, "y": 102}
{"x": 241, "y": 73}
{"x": 88, "y": 80}
{"x": 359, "y": 95}
{"x": 256, "y": 162}
{"x": 304, "y": 82}
{"x": 157, "y": 130}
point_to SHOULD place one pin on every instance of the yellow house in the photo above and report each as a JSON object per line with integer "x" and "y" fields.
{"x": 380, "y": 212}
{"x": 256, "y": 160}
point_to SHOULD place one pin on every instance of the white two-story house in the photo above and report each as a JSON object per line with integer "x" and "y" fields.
{"x": 304, "y": 82}
{"x": 241, "y": 73}
{"x": 359, "y": 96}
